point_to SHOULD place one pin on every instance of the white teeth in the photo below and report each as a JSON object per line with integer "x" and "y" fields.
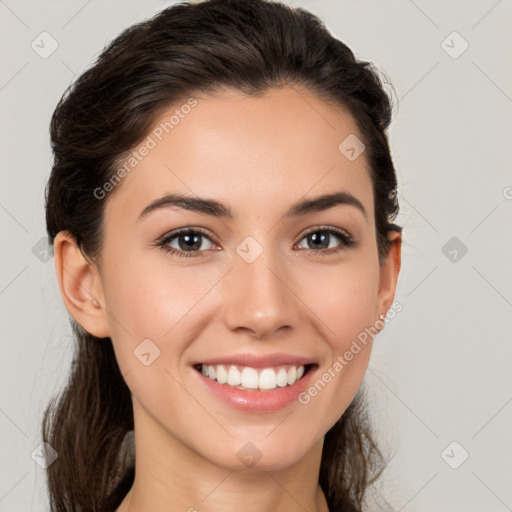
{"x": 292, "y": 375}
{"x": 249, "y": 378}
{"x": 267, "y": 379}
{"x": 282, "y": 378}
{"x": 222, "y": 374}
{"x": 234, "y": 377}
{"x": 252, "y": 378}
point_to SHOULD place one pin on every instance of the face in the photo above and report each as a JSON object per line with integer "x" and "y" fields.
{"x": 258, "y": 288}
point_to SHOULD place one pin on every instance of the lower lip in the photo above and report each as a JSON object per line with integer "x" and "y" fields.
{"x": 254, "y": 400}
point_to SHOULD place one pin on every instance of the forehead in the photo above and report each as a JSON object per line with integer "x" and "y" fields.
{"x": 250, "y": 152}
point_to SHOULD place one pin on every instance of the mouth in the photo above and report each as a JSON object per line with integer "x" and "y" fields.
{"x": 247, "y": 378}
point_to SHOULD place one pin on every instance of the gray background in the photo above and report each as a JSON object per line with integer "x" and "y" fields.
{"x": 441, "y": 370}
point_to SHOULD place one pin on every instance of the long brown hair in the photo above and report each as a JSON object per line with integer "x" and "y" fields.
{"x": 187, "y": 49}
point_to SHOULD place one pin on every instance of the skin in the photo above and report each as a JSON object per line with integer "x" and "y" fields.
{"x": 258, "y": 155}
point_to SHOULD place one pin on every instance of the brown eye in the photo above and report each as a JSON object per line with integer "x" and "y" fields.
{"x": 185, "y": 241}
{"x": 324, "y": 240}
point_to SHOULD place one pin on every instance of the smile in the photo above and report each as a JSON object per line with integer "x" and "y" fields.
{"x": 248, "y": 378}
{"x": 256, "y": 390}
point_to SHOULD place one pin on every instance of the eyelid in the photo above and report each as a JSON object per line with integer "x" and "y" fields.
{"x": 314, "y": 229}
{"x": 187, "y": 229}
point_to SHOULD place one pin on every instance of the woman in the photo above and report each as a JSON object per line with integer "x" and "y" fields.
{"x": 221, "y": 207}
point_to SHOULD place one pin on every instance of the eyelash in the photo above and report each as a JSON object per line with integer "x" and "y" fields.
{"x": 347, "y": 241}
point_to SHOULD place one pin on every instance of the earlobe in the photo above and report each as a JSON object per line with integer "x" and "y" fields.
{"x": 80, "y": 285}
{"x": 389, "y": 271}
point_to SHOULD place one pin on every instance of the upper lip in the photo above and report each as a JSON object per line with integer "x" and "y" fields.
{"x": 254, "y": 361}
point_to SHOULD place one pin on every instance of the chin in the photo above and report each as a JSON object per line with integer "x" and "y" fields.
{"x": 261, "y": 454}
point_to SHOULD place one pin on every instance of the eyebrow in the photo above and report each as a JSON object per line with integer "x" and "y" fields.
{"x": 220, "y": 210}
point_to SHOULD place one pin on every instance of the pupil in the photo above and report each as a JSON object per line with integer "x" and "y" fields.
{"x": 194, "y": 239}
{"x": 314, "y": 237}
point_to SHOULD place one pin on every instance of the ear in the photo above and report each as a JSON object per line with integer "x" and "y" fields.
{"x": 389, "y": 270}
{"x": 80, "y": 285}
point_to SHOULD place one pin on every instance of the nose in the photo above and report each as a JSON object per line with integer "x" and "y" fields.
{"x": 259, "y": 298}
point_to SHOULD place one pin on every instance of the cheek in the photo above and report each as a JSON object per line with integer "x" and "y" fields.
{"x": 155, "y": 301}
{"x": 152, "y": 322}
{"x": 343, "y": 297}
